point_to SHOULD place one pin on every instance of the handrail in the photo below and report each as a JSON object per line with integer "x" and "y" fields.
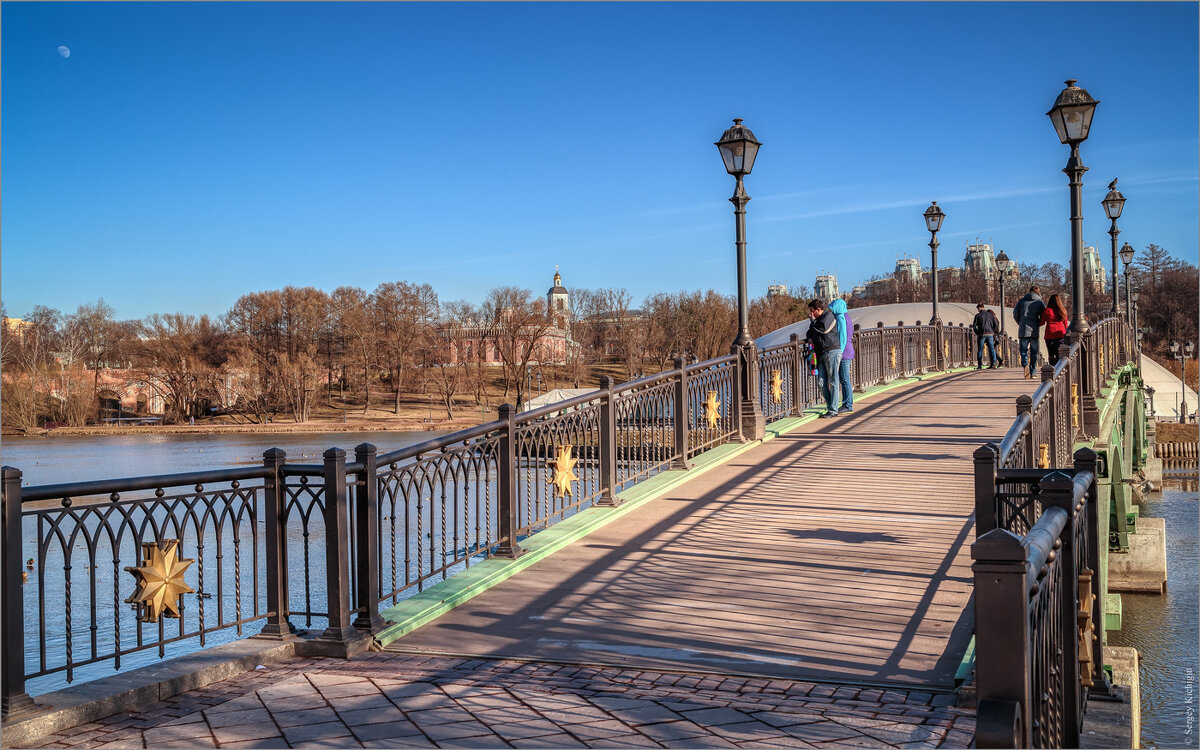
{"x": 106, "y": 486}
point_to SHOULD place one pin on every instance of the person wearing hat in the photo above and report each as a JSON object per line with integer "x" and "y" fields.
{"x": 986, "y": 326}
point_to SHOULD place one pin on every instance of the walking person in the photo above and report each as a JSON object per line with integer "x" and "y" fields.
{"x": 846, "y": 339}
{"x": 986, "y": 326}
{"x": 822, "y": 334}
{"x": 1054, "y": 317}
{"x": 1028, "y": 314}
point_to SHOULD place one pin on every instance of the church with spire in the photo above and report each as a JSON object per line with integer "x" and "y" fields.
{"x": 554, "y": 345}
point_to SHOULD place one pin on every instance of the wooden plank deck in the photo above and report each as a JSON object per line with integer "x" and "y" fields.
{"x": 836, "y": 552}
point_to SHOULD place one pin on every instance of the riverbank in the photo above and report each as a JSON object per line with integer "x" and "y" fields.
{"x": 357, "y": 424}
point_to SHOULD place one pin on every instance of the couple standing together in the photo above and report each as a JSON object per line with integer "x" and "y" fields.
{"x": 830, "y": 335}
{"x": 1031, "y": 314}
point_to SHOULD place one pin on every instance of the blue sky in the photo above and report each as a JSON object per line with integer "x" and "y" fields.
{"x": 185, "y": 154}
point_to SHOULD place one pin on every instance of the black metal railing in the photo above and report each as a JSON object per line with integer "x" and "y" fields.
{"x": 1037, "y": 613}
{"x": 1038, "y": 605}
{"x": 321, "y": 546}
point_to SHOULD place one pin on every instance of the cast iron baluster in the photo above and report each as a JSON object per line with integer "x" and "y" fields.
{"x": 237, "y": 577}
{"x": 116, "y": 607}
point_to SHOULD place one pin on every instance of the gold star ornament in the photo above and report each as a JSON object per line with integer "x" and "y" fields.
{"x": 564, "y": 472}
{"x": 159, "y": 581}
{"x": 712, "y": 409}
{"x": 776, "y": 387}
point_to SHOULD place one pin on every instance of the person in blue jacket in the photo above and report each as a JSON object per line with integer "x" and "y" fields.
{"x": 822, "y": 334}
{"x": 846, "y": 337}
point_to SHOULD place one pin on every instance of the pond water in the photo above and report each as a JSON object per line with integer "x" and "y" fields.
{"x": 93, "y": 576}
{"x": 51, "y": 460}
{"x": 1164, "y": 628}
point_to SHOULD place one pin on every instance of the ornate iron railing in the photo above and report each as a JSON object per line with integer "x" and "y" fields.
{"x": 323, "y": 545}
{"x": 1038, "y": 606}
{"x": 1037, "y": 611}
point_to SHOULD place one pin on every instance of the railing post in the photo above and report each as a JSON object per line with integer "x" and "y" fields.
{"x": 682, "y": 417}
{"x": 735, "y": 394}
{"x": 1002, "y": 677}
{"x": 14, "y": 701}
{"x": 608, "y": 444}
{"x": 275, "y": 530}
{"x": 337, "y": 549}
{"x": 1089, "y": 390}
{"x": 1025, "y": 406}
{"x": 508, "y": 485}
{"x": 366, "y": 521}
{"x": 884, "y": 369}
{"x": 1057, "y": 489}
{"x": 987, "y": 457}
{"x": 799, "y": 375}
{"x": 1048, "y": 377}
{"x": 1086, "y": 460}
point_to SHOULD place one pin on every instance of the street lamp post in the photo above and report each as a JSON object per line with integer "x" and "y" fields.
{"x": 1072, "y": 117}
{"x": 1003, "y": 262}
{"x": 933, "y": 222}
{"x": 1126, "y": 253}
{"x": 1182, "y": 354}
{"x": 1113, "y": 203}
{"x": 738, "y": 148}
{"x": 1137, "y": 334}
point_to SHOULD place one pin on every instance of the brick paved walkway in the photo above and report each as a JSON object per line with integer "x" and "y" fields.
{"x": 395, "y": 700}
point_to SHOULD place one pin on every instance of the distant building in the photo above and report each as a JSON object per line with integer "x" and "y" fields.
{"x": 979, "y": 259}
{"x": 777, "y": 290}
{"x": 558, "y": 302}
{"x": 16, "y": 326}
{"x": 826, "y": 287}
{"x": 908, "y": 268}
{"x": 467, "y": 342}
{"x": 859, "y": 291}
{"x": 1093, "y": 270}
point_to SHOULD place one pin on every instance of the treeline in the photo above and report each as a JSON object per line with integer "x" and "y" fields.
{"x": 1168, "y": 297}
{"x": 278, "y": 353}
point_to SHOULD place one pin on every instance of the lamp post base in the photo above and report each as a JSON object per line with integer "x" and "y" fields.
{"x": 752, "y": 424}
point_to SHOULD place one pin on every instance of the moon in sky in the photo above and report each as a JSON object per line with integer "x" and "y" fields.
{"x": 64, "y": 51}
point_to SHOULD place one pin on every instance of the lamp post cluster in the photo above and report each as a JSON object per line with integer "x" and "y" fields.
{"x": 1182, "y": 354}
{"x": 1072, "y": 118}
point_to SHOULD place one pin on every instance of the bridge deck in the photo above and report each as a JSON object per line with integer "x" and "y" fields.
{"x": 836, "y": 552}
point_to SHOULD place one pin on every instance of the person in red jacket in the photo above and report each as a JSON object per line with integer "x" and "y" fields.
{"x": 1054, "y": 317}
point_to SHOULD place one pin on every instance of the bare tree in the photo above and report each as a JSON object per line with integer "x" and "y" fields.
{"x": 404, "y": 315}
{"x": 518, "y": 323}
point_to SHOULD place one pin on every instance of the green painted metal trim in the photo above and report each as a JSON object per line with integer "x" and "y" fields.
{"x": 1112, "y": 611}
{"x": 967, "y": 664}
{"x": 443, "y": 596}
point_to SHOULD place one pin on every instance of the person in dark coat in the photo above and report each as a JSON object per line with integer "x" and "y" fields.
{"x": 986, "y": 326}
{"x": 823, "y": 335}
{"x": 1028, "y": 314}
